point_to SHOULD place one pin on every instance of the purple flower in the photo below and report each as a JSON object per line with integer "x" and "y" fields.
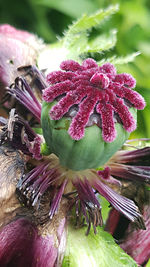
{"x": 33, "y": 233}
{"x": 81, "y": 187}
{"x": 100, "y": 94}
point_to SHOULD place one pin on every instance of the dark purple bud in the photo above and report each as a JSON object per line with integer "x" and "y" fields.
{"x": 16, "y": 246}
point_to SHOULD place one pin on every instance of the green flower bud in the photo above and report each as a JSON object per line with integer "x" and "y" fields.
{"x": 89, "y": 152}
{"x": 88, "y": 112}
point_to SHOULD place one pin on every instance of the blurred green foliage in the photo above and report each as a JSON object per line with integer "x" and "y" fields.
{"x": 50, "y": 18}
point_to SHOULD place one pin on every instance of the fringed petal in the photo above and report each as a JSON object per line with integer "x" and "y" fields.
{"x": 108, "y": 68}
{"x": 136, "y": 156}
{"x": 57, "y": 89}
{"x": 135, "y": 98}
{"x": 125, "y": 115}
{"x": 88, "y": 204}
{"x": 120, "y": 203}
{"x": 65, "y": 103}
{"x": 125, "y": 79}
{"x": 24, "y": 94}
{"x": 89, "y": 63}
{"x": 57, "y": 199}
{"x": 70, "y": 65}
{"x": 20, "y": 135}
{"x": 59, "y": 76}
{"x": 79, "y": 122}
{"x": 108, "y": 125}
{"x": 34, "y": 184}
{"x": 133, "y": 173}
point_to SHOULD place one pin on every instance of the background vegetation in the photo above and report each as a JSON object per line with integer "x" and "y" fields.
{"x": 49, "y": 19}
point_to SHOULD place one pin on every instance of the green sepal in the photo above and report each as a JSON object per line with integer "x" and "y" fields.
{"x": 98, "y": 250}
{"x": 45, "y": 150}
{"x": 89, "y": 152}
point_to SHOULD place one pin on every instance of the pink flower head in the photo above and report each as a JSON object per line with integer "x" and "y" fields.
{"x": 90, "y": 94}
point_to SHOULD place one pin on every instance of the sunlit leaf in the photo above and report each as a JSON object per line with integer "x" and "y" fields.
{"x": 120, "y": 60}
{"x": 86, "y": 22}
{"x": 94, "y": 250}
{"x": 69, "y": 7}
{"x": 101, "y": 43}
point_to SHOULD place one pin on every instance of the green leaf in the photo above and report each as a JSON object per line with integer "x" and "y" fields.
{"x": 87, "y": 22}
{"x": 94, "y": 250}
{"x": 120, "y": 60}
{"x": 77, "y": 39}
{"x": 78, "y": 42}
{"x": 148, "y": 264}
{"x": 101, "y": 43}
{"x": 69, "y": 7}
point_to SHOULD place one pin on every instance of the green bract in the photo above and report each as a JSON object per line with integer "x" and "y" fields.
{"x": 89, "y": 152}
